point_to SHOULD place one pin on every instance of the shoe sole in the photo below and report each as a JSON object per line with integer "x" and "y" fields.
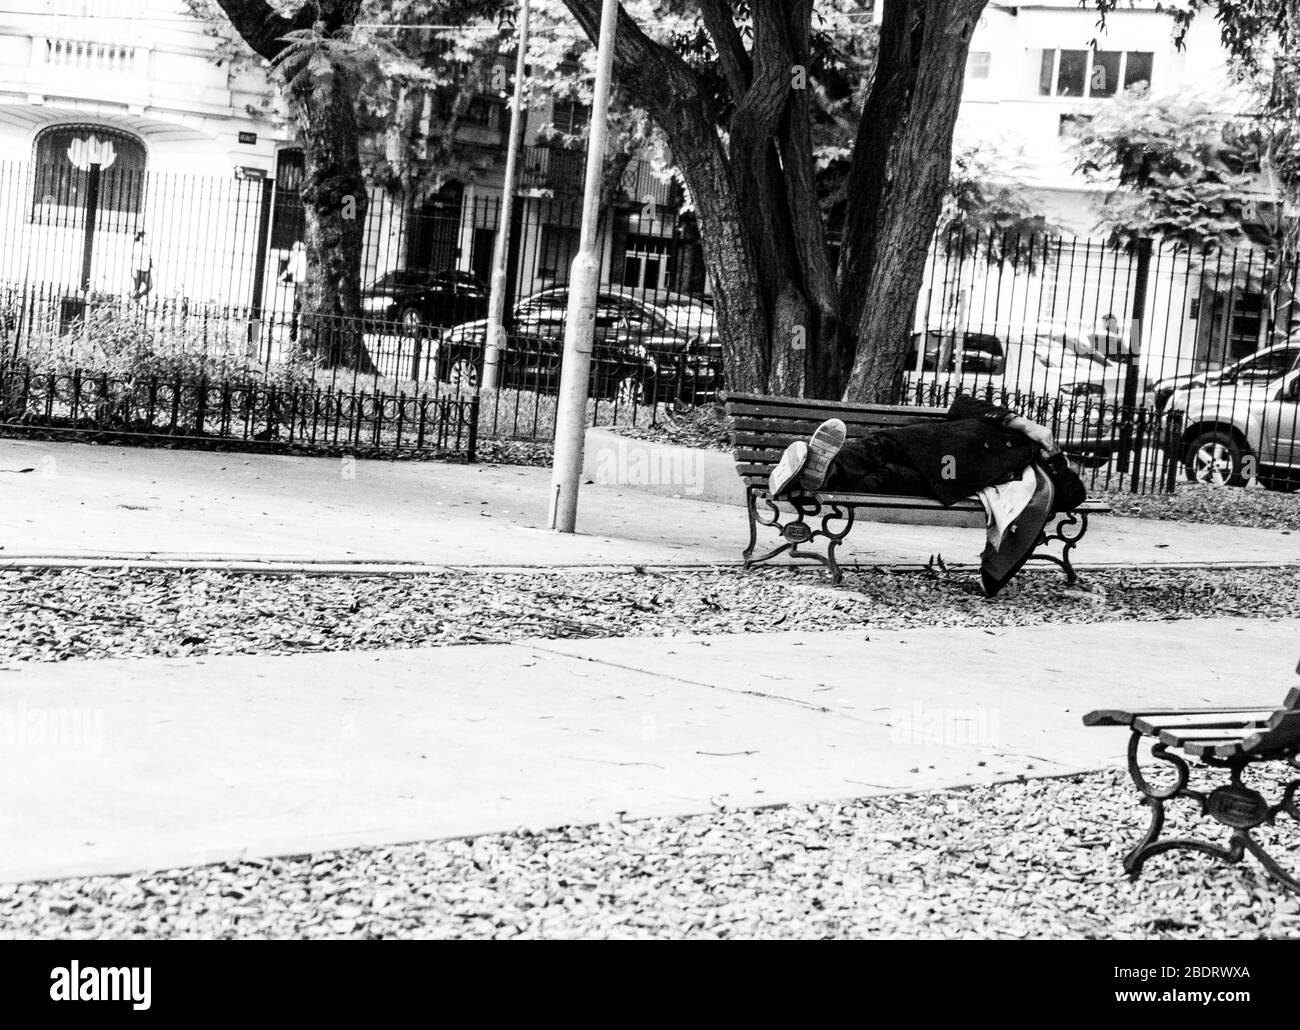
{"x": 825, "y": 444}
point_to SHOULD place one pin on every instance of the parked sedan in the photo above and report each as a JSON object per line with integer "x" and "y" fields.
{"x": 413, "y": 298}
{"x": 649, "y": 347}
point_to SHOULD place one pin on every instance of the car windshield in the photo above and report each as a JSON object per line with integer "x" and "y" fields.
{"x": 464, "y": 280}
{"x": 1263, "y": 366}
{"x": 398, "y": 277}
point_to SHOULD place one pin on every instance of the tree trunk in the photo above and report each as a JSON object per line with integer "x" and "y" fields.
{"x": 334, "y": 191}
{"x": 335, "y": 199}
{"x": 789, "y": 322}
{"x": 666, "y": 87}
{"x": 901, "y": 161}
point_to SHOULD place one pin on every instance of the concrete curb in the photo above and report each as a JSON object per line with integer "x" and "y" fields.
{"x": 271, "y": 567}
{"x": 611, "y": 459}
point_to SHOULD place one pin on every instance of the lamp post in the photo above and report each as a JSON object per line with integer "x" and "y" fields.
{"x": 501, "y": 247}
{"x": 584, "y": 284}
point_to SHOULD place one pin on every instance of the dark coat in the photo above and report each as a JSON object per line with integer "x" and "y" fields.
{"x": 969, "y": 450}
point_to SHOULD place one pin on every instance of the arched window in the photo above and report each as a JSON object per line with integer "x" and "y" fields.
{"x": 65, "y": 155}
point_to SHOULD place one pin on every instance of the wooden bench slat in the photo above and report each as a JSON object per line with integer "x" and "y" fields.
{"x": 800, "y": 413}
{"x": 737, "y": 401}
{"x": 1283, "y": 734}
{"x": 803, "y": 427}
{"x": 1246, "y": 720}
{"x": 1181, "y": 738}
{"x": 756, "y": 476}
{"x": 1126, "y": 717}
{"x": 759, "y": 455}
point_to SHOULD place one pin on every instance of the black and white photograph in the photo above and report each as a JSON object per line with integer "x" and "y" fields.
{"x": 650, "y": 470}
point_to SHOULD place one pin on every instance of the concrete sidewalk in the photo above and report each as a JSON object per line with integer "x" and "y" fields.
{"x": 191, "y": 505}
{"x": 110, "y": 766}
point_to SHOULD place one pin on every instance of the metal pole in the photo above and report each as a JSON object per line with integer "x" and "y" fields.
{"x": 1129, "y": 403}
{"x": 92, "y": 214}
{"x": 501, "y": 247}
{"x": 584, "y": 285}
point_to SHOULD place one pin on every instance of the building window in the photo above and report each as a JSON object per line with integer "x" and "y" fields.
{"x": 977, "y": 64}
{"x": 289, "y": 217}
{"x": 64, "y": 157}
{"x": 570, "y": 117}
{"x": 484, "y": 112}
{"x": 559, "y": 245}
{"x": 1092, "y": 74}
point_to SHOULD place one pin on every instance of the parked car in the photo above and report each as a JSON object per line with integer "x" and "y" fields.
{"x": 415, "y": 298}
{"x": 1227, "y": 431}
{"x": 1264, "y": 365}
{"x": 649, "y": 346}
{"x": 1047, "y": 361}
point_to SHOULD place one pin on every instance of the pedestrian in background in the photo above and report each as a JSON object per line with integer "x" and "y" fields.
{"x": 295, "y": 274}
{"x": 141, "y": 266}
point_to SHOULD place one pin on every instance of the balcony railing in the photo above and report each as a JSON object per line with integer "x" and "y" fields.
{"x": 550, "y": 168}
{"x": 563, "y": 171}
{"x": 90, "y": 56}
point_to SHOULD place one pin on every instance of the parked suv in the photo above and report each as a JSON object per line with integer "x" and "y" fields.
{"x": 1257, "y": 423}
{"x": 412, "y": 298}
{"x": 1264, "y": 365}
{"x": 649, "y": 346}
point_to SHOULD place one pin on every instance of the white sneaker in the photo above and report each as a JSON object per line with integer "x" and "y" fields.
{"x": 826, "y": 441}
{"x": 787, "y": 469}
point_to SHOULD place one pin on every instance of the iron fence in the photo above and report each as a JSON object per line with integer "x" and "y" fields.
{"x": 196, "y": 281}
{"x": 1153, "y": 329}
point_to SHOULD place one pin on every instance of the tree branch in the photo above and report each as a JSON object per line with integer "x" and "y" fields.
{"x": 721, "y": 26}
{"x": 264, "y": 29}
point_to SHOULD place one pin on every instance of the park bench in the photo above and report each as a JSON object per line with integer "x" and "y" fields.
{"x": 1217, "y": 738}
{"x": 763, "y": 426}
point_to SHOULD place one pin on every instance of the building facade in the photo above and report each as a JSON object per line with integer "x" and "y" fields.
{"x": 122, "y": 117}
{"x": 1034, "y": 72}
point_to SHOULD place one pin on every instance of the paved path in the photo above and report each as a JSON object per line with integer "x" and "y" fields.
{"x": 192, "y": 505}
{"x": 117, "y": 765}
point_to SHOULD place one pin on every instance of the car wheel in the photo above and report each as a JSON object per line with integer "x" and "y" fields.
{"x": 630, "y": 392}
{"x": 1216, "y": 459}
{"x": 1282, "y": 482}
{"x": 410, "y": 321}
{"x": 462, "y": 374}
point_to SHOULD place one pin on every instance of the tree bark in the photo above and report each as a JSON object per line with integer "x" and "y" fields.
{"x": 901, "y": 161}
{"x": 334, "y": 192}
{"x": 335, "y": 199}
{"x": 666, "y": 87}
{"x": 760, "y": 218}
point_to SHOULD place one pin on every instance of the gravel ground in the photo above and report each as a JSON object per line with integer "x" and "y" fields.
{"x": 706, "y": 426}
{"x": 1220, "y": 506}
{"x": 1018, "y": 860}
{"x": 59, "y": 614}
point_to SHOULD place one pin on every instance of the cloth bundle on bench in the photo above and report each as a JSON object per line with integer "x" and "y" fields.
{"x": 763, "y": 426}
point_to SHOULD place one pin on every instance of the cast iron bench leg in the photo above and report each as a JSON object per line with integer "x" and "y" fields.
{"x": 1062, "y": 530}
{"x": 1242, "y": 810}
{"x": 798, "y": 531}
